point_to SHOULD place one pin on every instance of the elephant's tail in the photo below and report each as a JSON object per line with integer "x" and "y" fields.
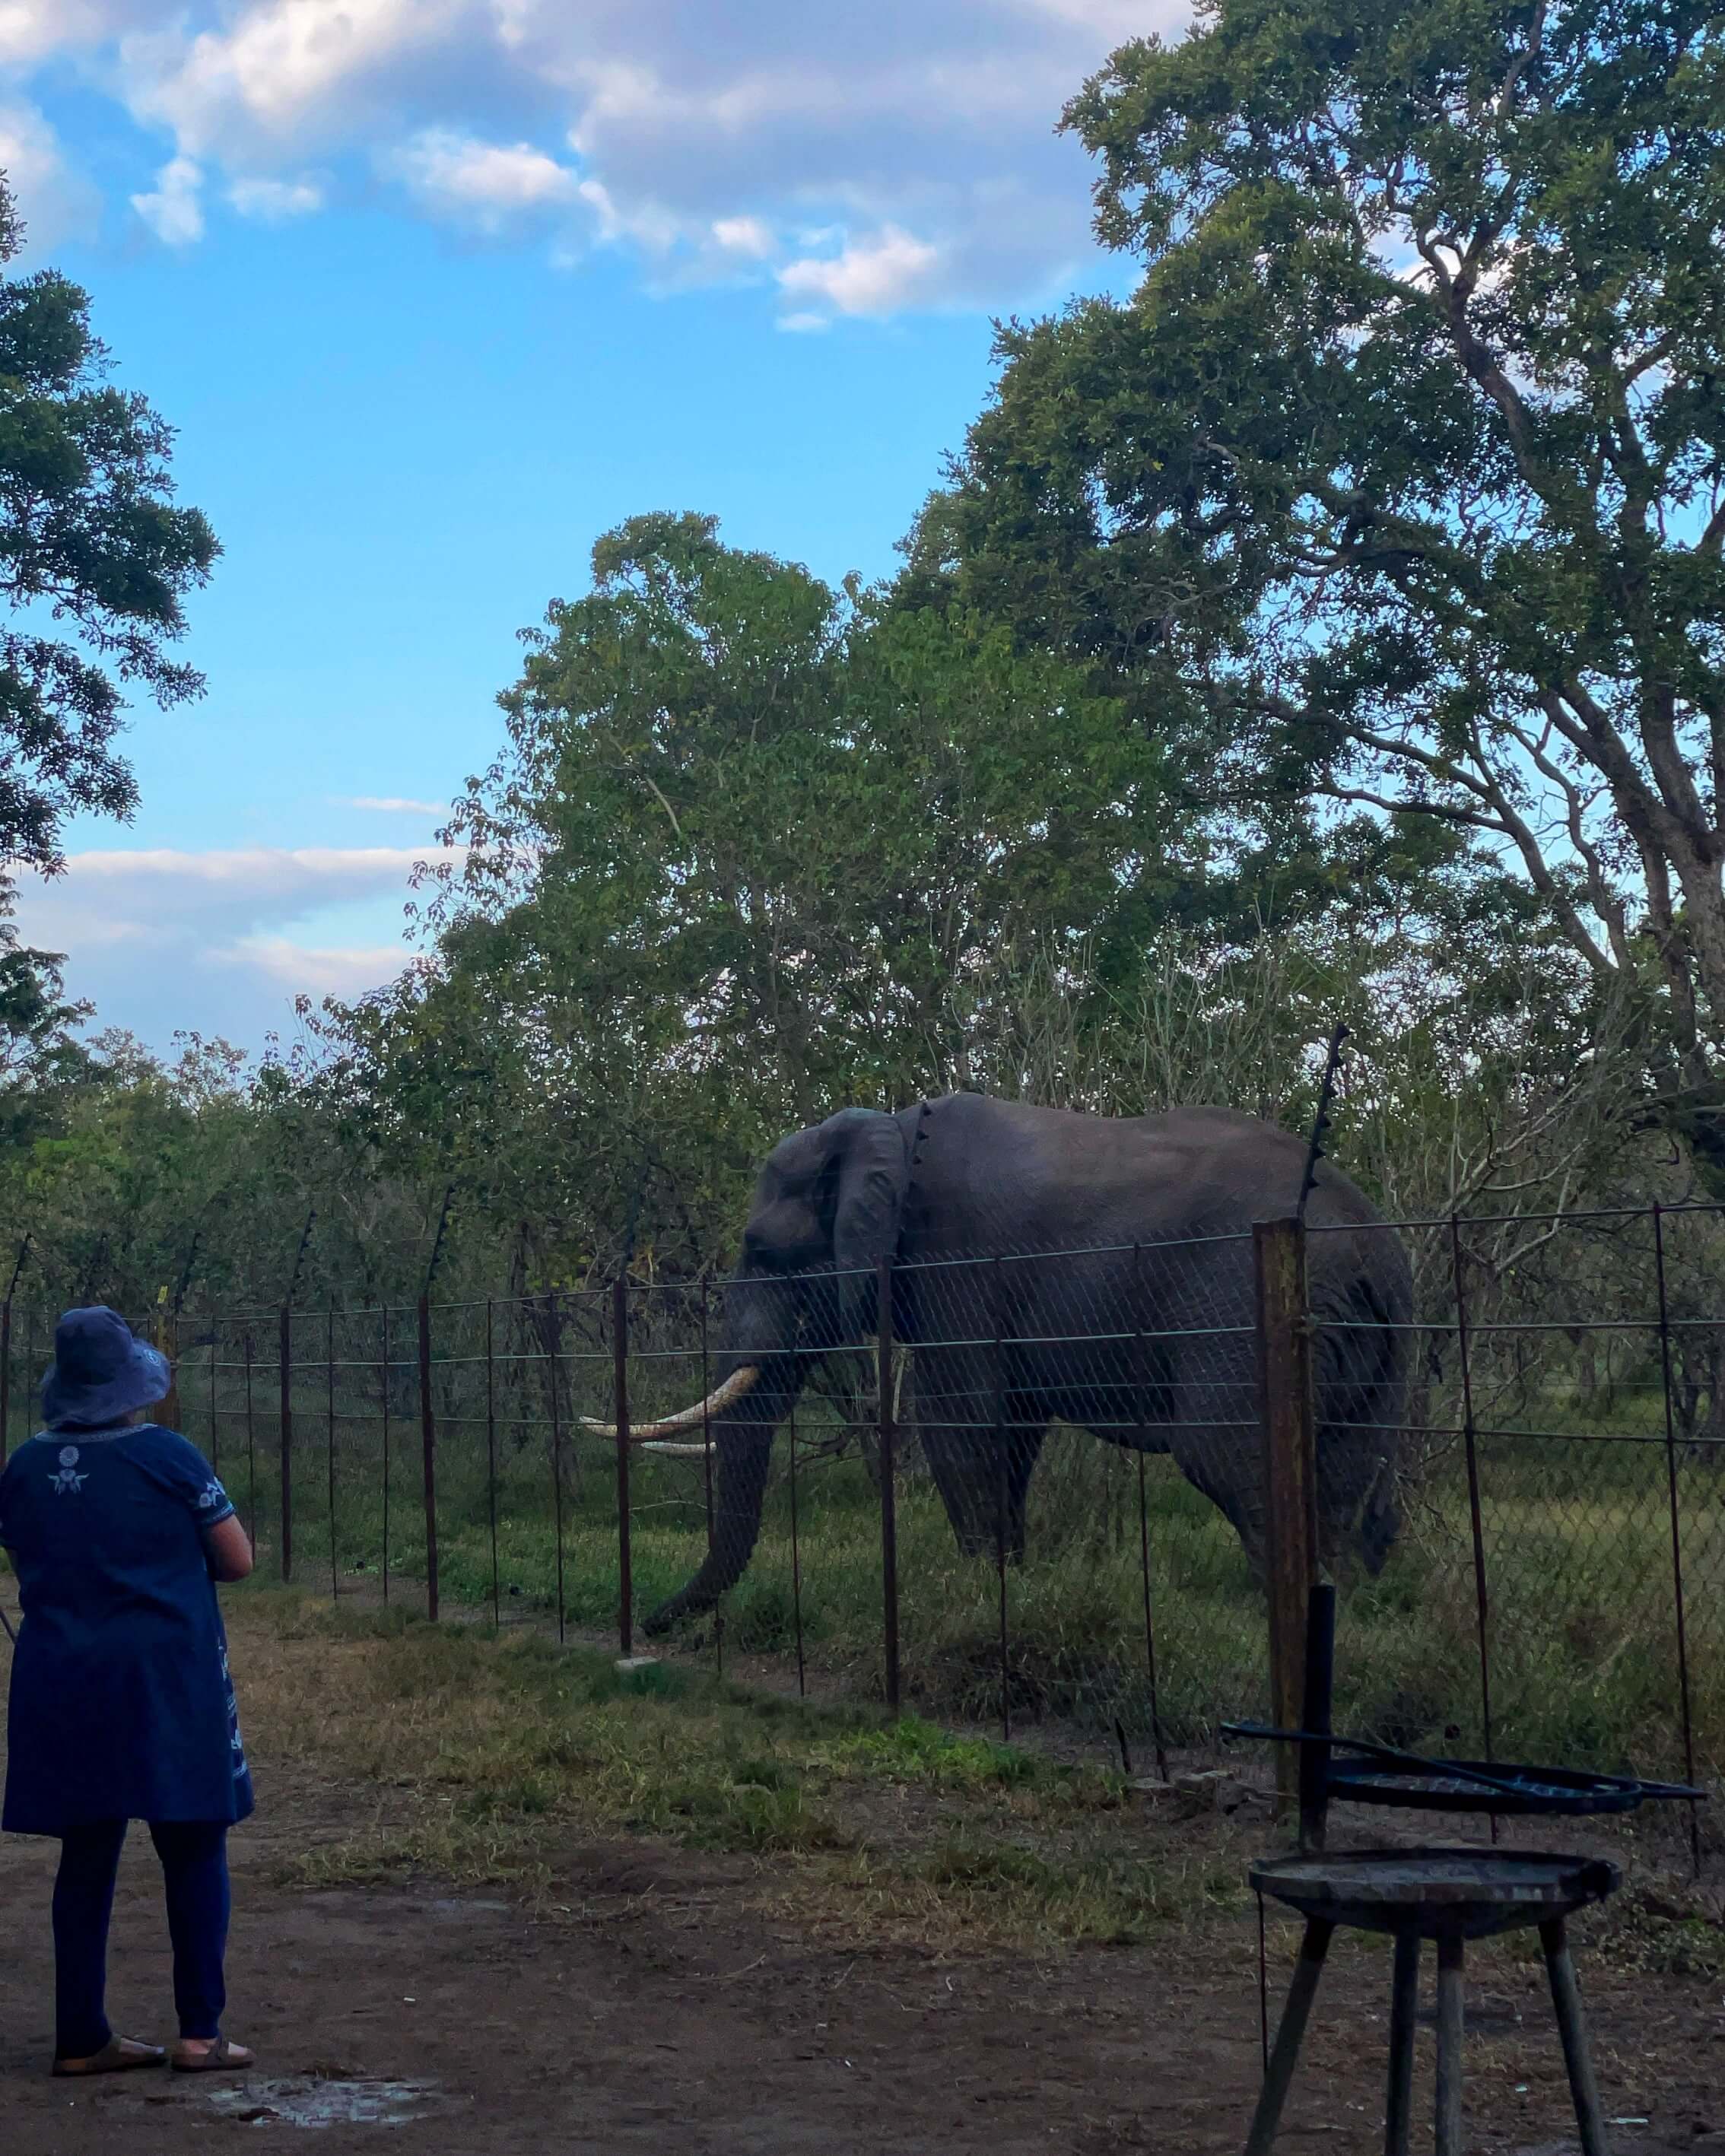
{"x": 1363, "y": 1353}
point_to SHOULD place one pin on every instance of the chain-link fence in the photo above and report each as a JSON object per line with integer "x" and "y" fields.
{"x": 1030, "y": 1489}
{"x": 1555, "y": 1588}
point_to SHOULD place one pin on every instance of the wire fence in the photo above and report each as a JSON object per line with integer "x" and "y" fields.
{"x": 1033, "y": 1489}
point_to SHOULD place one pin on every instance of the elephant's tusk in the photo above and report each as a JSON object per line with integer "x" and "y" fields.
{"x": 733, "y": 1388}
{"x": 674, "y": 1451}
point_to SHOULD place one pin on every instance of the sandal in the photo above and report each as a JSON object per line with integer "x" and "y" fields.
{"x": 120, "y": 2054}
{"x": 221, "y": 2058}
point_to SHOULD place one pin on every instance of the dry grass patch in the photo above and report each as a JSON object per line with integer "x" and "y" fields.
{"x": 485, "y": 1758}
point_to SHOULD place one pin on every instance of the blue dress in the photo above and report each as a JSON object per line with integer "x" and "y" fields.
{"x": 122, "y": 1706}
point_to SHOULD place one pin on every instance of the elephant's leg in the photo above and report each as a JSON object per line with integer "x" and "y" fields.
{"x": 1212, "y": 1473}
{"x": 1214, "y": 1434}
{"x": 983, "y": 1477}
{"x": 1023, "y": 1438}
{"x": 958, "y": 1406}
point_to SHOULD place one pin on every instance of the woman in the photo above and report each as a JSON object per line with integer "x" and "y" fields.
{"x": 121, "y": 1704}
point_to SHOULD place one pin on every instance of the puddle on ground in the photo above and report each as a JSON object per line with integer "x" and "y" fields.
{"x": 305, "y": 2100}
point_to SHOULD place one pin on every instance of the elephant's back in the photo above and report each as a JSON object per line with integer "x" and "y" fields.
{"x": 994, "y": 1175}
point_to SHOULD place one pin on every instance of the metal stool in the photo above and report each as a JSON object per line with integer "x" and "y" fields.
{"x": 1449, "y": 1896}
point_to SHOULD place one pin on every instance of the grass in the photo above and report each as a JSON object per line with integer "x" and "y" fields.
{"x": 1576, "y": 1545}
{"x": 484, "y": 1759}
{"x": 502, "y": 1761}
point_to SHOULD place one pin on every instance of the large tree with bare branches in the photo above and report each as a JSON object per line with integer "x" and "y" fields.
{"x": 1400, "y": 479}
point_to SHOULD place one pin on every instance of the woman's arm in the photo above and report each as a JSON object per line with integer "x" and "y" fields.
{"x": 228, "y": 1549}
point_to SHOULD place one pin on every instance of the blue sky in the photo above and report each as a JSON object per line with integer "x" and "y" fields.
{"x": 436, "y": 291}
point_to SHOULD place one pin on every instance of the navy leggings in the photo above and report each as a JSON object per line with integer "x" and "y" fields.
{"x": 194, "y": 1868}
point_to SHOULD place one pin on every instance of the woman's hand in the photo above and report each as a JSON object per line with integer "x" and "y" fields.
{"x": 228, "y": 1549}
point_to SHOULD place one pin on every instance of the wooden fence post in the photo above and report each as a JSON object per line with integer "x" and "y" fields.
{"x": 427, "y": 1454}
{"x": 1290, "y": 1474}
{"x": 285, "y": 1338}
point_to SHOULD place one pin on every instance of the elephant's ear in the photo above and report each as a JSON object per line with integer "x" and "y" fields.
{"x": 874, "y": 1169}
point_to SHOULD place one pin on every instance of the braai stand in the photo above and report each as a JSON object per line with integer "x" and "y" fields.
{"x": 1447, "y": 1897}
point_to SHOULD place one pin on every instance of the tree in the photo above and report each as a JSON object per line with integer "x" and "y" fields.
{"x": 1401, "y": 478}
{"x": 755, "y": 849}
{"x": 40, "y": 1054}
{"x": 89, "y": 537}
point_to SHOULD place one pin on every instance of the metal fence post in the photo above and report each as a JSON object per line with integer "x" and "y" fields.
{"x": 168, "y": 1344}
{"x": 1140, "y": 1419}
{"x": 251, "y": 1449}
{"x": 427, "y": 1453}
{"x": 383, "y": 1350}
{"x": 285, "y": 1353}
{"x": 997, "y": 1392}
{"x": 619, "y": 1355}
{"x": 706, "y": 1440}
{"x": 1482, "y": 1607}
{"x": 1290, "y": 1473}
{"x": 556, "y": 1455}
{"x": 491, "y": 1457}
{"x": 796, "y": 1552}
{"x": 888, "y": 1501}
{"x": 1671, "y": 1469}
{"x": 330, "y": 1431}
{"x": 23, "y": 1251}
{"x": 5, "y": 1377}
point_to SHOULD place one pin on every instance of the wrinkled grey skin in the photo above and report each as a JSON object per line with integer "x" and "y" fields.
{"x": 995, "y": 1178}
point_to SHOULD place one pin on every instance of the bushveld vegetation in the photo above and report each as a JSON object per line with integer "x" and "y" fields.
{"x": 1582, "y": 1653}
{"x": 1332, "y": 628}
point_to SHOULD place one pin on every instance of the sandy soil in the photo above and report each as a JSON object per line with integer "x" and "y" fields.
{"x": 652, "y": 2008}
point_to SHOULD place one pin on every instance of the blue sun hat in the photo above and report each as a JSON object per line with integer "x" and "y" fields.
{"x": 100, "y": 1371}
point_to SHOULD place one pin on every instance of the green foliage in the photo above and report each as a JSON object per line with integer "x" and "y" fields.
{"x": 1401, "y": 478}
{"x": 40, "y": 1054}
{"x": 1331, "y": 630}
{"x": 89, "y": 535}
{"x": 755, "y": 849}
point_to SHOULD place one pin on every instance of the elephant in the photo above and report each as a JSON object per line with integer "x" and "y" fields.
{"x": 1052, "y": 1265}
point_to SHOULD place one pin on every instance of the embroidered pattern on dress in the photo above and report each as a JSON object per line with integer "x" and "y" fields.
{"x": 68, "y": 1482}
{"x": 236, "y": 1744}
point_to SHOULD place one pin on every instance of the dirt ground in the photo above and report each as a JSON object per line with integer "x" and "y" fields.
{"x": 649, "y": 2008}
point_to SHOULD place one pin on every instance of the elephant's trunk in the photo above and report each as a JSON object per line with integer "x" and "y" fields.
{"x": 742, "y": 1453}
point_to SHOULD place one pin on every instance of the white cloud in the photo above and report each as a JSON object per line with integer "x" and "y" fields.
{"x": 647, "y": 225}
{"x": 54, "y": 200}
{"x": 32, "y": 30}
{"x": 162, "y": 938}
{"x": 700, "y": 134}
{"x": 804, "y": 325}
{"x": 878, "y": 275}
{"x": 272, "y": 202}
{"x": 292, "y": 70}
{"x": 341, "y": 970}
{"x": 481, "y": 184}
{"x": 174, "y": 212}
{"x": 743, "y": 235}
{"x": 395, "y": 804}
